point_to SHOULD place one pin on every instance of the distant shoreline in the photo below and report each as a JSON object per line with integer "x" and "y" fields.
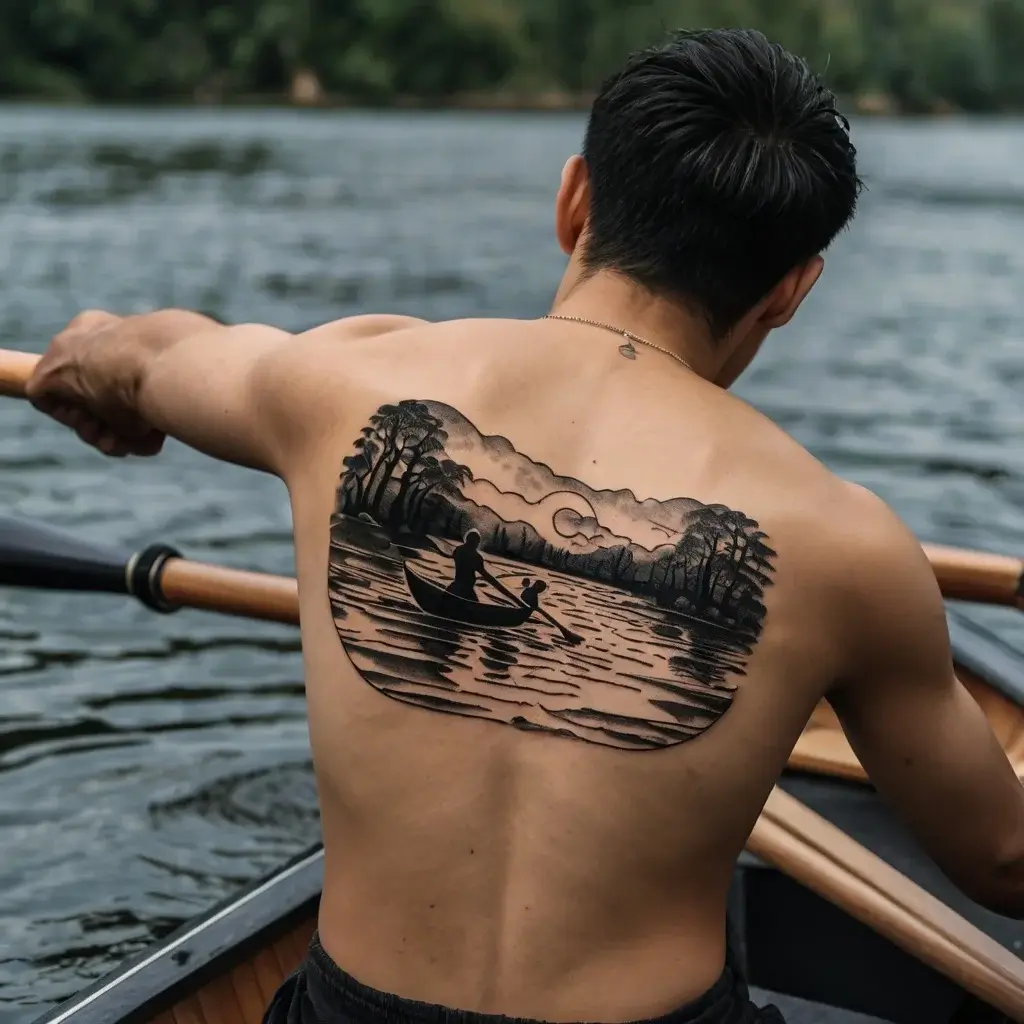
{"x": 500, "y": 102}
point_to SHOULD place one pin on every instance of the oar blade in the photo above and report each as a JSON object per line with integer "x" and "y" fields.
{"x": 39, "y": 557}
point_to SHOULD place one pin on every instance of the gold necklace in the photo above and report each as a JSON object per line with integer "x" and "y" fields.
{"x": 627, "y": 350}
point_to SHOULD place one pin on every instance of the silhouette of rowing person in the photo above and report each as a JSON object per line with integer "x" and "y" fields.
{"x": 469, "y": 564}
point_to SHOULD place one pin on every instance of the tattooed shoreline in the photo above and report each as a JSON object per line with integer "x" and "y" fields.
{"x": 469, "y": 579}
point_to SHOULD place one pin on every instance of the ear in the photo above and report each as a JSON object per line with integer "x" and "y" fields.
{"x": 573, "y": 204}
{"x": 787, "y": 296}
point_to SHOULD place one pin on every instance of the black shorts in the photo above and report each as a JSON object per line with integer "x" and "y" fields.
{"x": 320, "y": 992}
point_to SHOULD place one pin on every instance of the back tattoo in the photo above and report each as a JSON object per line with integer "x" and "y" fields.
{"x": 468, "y": 579}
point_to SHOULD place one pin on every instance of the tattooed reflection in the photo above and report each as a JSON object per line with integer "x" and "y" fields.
{"x": 469, "y": 579}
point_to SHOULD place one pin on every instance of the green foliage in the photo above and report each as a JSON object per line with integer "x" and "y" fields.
{"x": 921, "y": 53}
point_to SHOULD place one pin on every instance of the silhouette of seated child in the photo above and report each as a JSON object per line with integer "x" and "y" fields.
{"x": 532, "y": 589}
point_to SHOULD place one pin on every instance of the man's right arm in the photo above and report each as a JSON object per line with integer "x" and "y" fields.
{"x": 922, "y": 738}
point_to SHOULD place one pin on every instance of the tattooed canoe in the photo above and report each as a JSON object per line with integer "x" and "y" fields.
{"x": 435, "y": 600}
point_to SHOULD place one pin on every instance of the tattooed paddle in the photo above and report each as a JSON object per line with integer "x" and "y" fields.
{"x": 573, "y": 638}
{"x": 963, "y": 575}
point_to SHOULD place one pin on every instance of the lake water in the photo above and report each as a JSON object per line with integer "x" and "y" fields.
{"x": 151, "y": 765}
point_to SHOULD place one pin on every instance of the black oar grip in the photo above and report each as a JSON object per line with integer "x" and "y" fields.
{"x": 142, "y": 576}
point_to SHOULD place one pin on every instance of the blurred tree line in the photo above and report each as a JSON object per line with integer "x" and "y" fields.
{"x": 918, "y": 54}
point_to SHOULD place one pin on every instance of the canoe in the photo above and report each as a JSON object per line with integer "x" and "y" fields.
{"x": 819, "y": 965}
{"x": 432, "y": 598}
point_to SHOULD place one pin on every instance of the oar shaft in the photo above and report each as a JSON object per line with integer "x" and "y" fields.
{"x": 977, "y": 575}
{"x": 252, "y": 595}
{"x": 816, "y": 853}
{"x": 501, "y": 588}
{"x": 15, "y": 370}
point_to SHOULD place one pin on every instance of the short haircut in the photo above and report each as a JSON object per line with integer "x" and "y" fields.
{"x": 718, "y": 162}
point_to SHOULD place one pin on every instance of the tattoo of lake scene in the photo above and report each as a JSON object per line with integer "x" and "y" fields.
{"x": 466, "y": 578}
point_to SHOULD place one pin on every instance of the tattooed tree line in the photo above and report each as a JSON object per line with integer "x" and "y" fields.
{"x": 405, "y": 435}
{"x": 401, "y": 477}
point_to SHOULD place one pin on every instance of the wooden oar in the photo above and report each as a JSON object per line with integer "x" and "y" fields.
{"x": 15, "y": 370}
{"x": 788, "y": 835}
{"x": 966, "y": 575}
{"x": 962, "y": 574}
{"x": 814, "y": 852}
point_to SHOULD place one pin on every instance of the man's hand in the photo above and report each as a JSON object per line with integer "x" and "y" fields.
{"x": 81, "y": 382}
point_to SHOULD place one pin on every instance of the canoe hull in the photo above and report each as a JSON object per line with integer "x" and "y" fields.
{"x": 434, "y": 599}
{"x": 222, "y": 968}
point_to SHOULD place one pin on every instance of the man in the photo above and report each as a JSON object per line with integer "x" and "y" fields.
{"x": 563, "y": 852}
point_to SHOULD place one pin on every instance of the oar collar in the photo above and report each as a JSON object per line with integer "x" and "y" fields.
{"x": 142, "y": 576}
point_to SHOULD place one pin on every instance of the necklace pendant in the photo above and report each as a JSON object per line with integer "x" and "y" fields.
{"x": 627, "y": 350}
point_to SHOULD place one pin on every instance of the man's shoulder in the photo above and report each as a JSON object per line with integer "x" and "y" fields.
{"x": 870, "y": 528}
{"x": 879, "y": 543}
{"x": 367, "y": 325}
{"x": 843, "y": 526}
{"x": 782, "y": 465}
{"x": 370, "y": 325}
{"x": 378, "y": 334}
{"x": 857, "y": 545}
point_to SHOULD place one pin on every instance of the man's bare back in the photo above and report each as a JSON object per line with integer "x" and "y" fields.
{"x": 567, "y": 604}
{"x": 557, "y": 836}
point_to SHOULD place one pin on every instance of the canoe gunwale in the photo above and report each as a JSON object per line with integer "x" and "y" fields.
{"x": 152, "y": 981}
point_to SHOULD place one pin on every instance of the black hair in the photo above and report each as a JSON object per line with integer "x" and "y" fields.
{"x": 718, "y": 162}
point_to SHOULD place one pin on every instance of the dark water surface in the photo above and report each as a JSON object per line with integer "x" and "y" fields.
{"x": 149, "y": 766}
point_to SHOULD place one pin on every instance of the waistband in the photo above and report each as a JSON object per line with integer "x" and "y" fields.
{"x": 336, "y": 995}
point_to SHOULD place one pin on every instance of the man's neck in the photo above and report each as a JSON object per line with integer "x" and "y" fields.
{"x": 610, "y": 299}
